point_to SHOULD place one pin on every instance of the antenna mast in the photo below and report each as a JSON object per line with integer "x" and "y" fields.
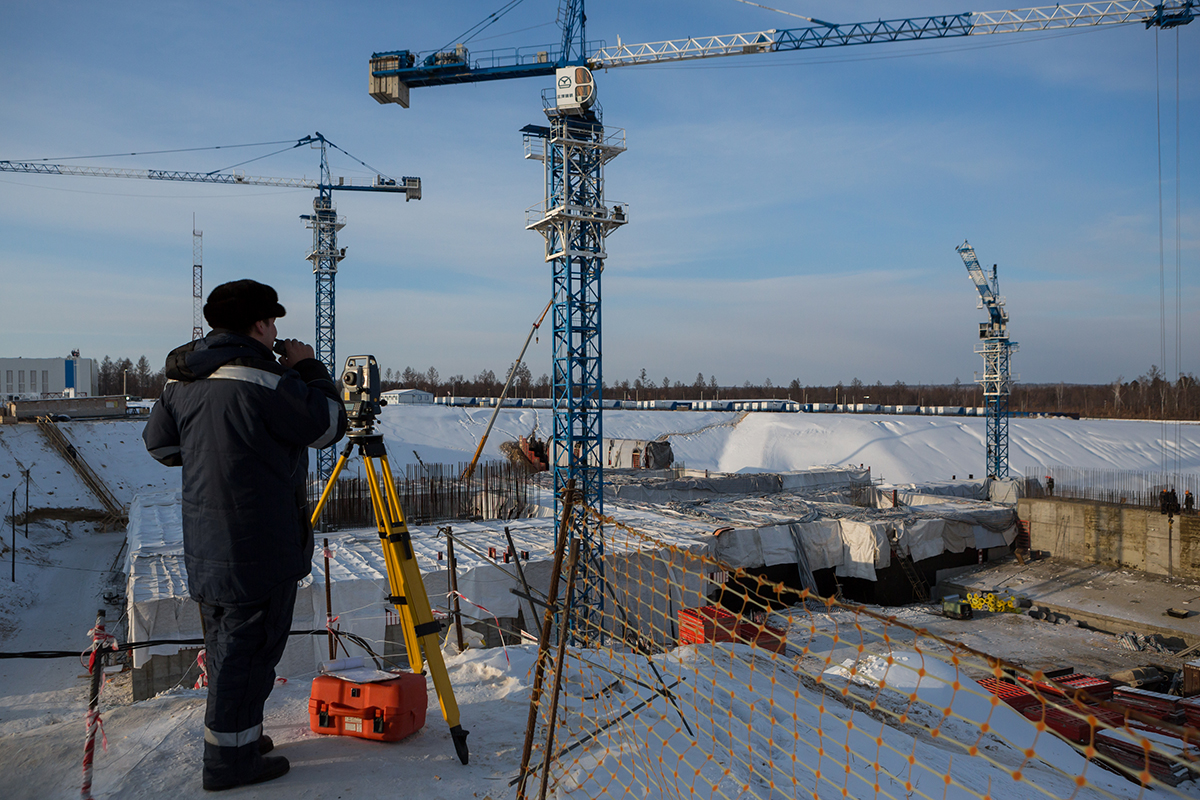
{"x": 197, "y": 282}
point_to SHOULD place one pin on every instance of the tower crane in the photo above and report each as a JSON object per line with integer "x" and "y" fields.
{"x": 996, "y": 349}
{"x": 574, "y": 218}
{"x": 324, "y": 221}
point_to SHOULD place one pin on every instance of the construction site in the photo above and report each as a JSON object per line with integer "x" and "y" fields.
{"x": 697, "y": 597}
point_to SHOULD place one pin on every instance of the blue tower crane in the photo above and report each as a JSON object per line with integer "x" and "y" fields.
{"x": 996, "y": 349}
{"x": 574, "y": 218}
{"x": 324, "y": 221}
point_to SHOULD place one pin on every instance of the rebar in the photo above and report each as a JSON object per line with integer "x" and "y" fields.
{"x": 1122, "y": 487}
{"x": 432, "y": 493}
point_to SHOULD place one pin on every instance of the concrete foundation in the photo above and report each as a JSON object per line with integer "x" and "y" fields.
{"x": 161, "y": 673}
{"x": 1114, "y": 535}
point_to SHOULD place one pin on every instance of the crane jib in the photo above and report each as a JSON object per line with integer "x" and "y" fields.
{"x": 458, "y": 65}
{"x": 408, "y": 186}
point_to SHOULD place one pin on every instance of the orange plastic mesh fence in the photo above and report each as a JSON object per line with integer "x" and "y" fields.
{"x": 671, "y": 697}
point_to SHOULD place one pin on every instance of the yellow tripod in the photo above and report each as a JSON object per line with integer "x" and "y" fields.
{"x": 404, "y": 577}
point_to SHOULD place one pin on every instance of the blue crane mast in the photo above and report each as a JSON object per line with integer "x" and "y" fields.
{"x": 324, "y": 222}
{"x": 574, "y": 218}
{"x": 996, "y": 349}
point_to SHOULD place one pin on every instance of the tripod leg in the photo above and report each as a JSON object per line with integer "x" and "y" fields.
{"x": 425, "y": 628}
{"x": 385, "y": 525}
{"x": 329, "y": 484}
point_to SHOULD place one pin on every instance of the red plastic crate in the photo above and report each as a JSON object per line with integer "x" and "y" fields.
{"x": 385, "y": 711}
{"x": 1016, "y": 696}
{"x": 1191, "y": 710}
{"x": 1099, "y": 688}
{"x": 710, "y": 624}
{"x": 1165, "y": 766}
{"x": 1073, "y": 725}
{"x": 1155, "y": 704}
{"x": 1065, "y": 685}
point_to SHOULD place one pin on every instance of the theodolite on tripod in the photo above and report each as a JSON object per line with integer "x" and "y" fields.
{"x": 361, "y": 395}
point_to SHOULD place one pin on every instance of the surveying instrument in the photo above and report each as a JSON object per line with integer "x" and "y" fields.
{"x": 361, "y": 395}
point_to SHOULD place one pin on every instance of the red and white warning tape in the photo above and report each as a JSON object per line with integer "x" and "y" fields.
{"x": 463, "y": 597}
{"x": 101, "y": 639}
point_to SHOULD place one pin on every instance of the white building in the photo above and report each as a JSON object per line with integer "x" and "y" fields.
{"x": 35, "y": 378}
{"x": 409, "y": 396}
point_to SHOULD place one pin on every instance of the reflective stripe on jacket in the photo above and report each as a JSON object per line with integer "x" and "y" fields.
{"x": 240, "y": 424}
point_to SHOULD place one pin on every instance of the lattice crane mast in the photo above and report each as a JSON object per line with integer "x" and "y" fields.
{"x": 324, "y": 221}
{"x": 996, "y": 349}
{"x": 574, "y": 218}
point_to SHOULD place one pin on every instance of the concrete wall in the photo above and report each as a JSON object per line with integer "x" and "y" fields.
{"x": 1114, "y": 535}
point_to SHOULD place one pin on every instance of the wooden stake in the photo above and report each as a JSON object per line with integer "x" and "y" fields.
{"x": 544, "y": 641}
{"x": 96, "y": 667}
{"x": 452, "y": 563}
{"x": 512, "y": 548}
{"x": 558, "y": 669}
{"x": 328, "y": 605}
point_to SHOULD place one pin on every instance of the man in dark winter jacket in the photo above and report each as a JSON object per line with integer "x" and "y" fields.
{"x": 240, "y": 423}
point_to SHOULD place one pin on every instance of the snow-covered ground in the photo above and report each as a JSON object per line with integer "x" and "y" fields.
{"x": 899, "y": 449}
{"x": 63, "y": 570}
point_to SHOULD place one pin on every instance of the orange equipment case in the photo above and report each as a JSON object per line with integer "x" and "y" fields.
{"x": 385, "y": 711}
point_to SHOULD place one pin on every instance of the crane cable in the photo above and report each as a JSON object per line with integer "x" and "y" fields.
{"x": 1162, "y": 281}
{"x": 1178, "y": 271}
{"x": 1165, "y": 441}
{"x": 159, "y": 152}
{"x": 479, "y": 27}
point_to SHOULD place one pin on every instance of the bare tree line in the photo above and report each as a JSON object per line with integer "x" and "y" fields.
{"x": 1149, "y": 396}
{"x": 124, "y": 377}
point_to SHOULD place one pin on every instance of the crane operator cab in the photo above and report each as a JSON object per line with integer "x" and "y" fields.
{"x": 575, "y": 90}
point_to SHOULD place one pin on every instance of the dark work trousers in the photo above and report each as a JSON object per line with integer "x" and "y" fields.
{"x": 243, "y": 644}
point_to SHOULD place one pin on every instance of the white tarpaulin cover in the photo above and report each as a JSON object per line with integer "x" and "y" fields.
{"x": 867, "y": 548}
{"x": 856, "y": 548}
{"x": 159, "y": 606}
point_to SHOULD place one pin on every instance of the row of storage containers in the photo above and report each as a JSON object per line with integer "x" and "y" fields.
{"x": 872, "y": 408}
{"x": 644, "y": 405}
{"x": 727, "y": 405}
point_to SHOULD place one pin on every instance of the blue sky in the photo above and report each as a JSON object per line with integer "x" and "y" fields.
{"x": 791, "y": 215}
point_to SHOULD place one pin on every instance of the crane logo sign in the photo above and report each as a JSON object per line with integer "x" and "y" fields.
{"x": 576, "y": 90}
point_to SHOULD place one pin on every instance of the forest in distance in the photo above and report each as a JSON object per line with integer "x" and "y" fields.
{"x": 1149, "y": 396}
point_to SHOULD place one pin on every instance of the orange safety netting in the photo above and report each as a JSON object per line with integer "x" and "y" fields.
{"x": 698, "y": 680}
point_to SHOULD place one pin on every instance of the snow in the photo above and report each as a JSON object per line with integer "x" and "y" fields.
{"x": 63, "y": 570}
{"x": 898, "y": 448}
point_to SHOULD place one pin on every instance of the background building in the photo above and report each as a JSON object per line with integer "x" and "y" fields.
{"x": 35, "y": 378}
{"x": 407, "y": 396}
